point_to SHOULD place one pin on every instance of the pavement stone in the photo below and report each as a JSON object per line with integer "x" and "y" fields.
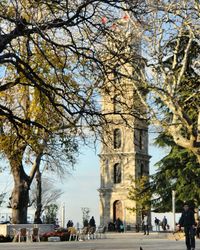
{"x": 124, "y": 241}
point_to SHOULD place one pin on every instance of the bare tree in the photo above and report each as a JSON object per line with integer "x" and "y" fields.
{"x": 85, "y": 215}
{"x": 43, "y": 193}
{"x": 2, "y": 195}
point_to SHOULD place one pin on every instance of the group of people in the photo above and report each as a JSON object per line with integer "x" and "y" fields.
{"x": 116, "y": 226}
{"x": 89, "y": 228}
{"x": 90, "y": 223}
{"x": 146, "y": 224}
{"x": 187, "y": 221}
{"x": 161, "y": 223}
{"x": 119, "y": 226}
{"x": 86, "y": 224}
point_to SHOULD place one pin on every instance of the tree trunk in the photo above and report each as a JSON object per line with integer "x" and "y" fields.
{"x": 38, "y": 211}
{"x": 198, "y": 136}
{"x": 19, "y": 203}
{"x": 20, "y": 195}
{"x": 19, "y": 199}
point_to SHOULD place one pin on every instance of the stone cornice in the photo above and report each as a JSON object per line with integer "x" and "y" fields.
{"x": 113, "y": 190}
{"x": 142, "y": 155}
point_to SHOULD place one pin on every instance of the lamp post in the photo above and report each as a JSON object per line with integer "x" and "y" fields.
{"x": 124, "y": 218}
{"x": 123, "y": 215}
{"x": 63, "y": 215}
{"x": 173, "y": 209}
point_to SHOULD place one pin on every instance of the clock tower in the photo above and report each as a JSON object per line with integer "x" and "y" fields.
{"x": 124, "y": 150}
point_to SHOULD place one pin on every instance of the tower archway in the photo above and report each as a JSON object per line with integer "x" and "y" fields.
{"x": 117, "y": 210}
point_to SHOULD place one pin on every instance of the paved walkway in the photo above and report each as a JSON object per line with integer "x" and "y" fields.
{"x": 115, "y": 242}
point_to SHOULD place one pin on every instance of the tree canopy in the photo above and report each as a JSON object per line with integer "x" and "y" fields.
{"x": 170, "y": 59}
{"x": 51, "y": 72}
{"x": 62, "y": 42}
{"x": 177, "y": 171}
{"x": 52, "y": 47}
{"x": 140, "y": 192}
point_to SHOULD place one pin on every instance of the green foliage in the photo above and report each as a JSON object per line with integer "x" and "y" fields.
{"x": 140, "y": 192}
{"x": 178, "y": 171}
{"x": 51, "y": 213}
{"x": 85, "y": 213}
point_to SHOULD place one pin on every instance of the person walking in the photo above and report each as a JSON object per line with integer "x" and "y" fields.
{"x": 187, "y": 221}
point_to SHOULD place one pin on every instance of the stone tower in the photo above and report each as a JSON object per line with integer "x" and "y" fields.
{"x": 124, "y": 150}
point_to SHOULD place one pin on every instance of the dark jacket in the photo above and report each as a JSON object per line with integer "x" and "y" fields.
{"x": 187, "y": 219}
{"x": 92, "y": 222}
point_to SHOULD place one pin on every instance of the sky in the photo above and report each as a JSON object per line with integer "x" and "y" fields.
{"x": 80, "y": 189}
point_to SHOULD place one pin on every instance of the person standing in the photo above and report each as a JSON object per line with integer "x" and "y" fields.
{"x": 187, "y": 221}
{"x": 119, "y": 225}
{"x": 157, "y": 224}
{"x": 164, "y": 223}
{"x": 92, "y": 228}
{"x": 85, "y": 223}
{"x": 92, "y": 222}
{"x": 70, "y": 223}
{"x": 198, "y": 228}
{"x": 145, "y": 225}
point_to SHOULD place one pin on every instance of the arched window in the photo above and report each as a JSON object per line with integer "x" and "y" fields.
{"x": 141, "y": 139}
{"x": 117, "y": 138}
{"x": 117, "y": 104}
{"x": 117, "y": 173}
